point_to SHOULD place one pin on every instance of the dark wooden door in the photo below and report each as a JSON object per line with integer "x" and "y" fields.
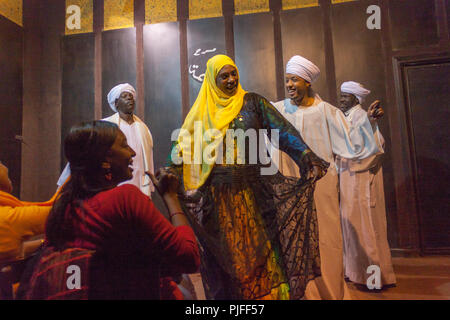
{"x": 428, "y": 109}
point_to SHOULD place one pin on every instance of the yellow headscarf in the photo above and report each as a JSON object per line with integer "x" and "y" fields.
{"x": 214, "y": 110}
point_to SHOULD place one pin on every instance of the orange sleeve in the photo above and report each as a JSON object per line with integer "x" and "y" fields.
{"x": 28, "y": 221}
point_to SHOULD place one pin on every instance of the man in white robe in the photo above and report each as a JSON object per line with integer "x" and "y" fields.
{"x": 363, "y": 213}
{"x": 122, "y": 101}
{"x": 326, "y": 131}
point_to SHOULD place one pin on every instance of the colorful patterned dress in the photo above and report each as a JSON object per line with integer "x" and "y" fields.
{"x": 258, "y": 233}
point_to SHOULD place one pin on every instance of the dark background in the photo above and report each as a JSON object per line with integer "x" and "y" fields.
{"x": 50, "y": 81}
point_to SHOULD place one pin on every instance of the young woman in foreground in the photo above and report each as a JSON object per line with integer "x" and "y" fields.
{"x": 121, "y": 244}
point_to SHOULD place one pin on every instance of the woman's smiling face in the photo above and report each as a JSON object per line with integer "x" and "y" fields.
{"x": 227, "y": 80}
{"x": 120, "y": 157}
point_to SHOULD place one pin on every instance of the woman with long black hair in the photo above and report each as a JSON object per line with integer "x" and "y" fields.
{"x": 109, "y": 242}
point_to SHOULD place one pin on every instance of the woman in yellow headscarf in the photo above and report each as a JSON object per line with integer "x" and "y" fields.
{"x": 257, "y": 229}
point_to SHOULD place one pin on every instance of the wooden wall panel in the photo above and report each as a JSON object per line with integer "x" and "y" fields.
{"x": 254, "y": 52}
{"x": 447, "y": 6}
{"x": 358, "y": 56}
{"x": 203, "y": 36}
{"x": 78, "y": 84}
{"x": 413, "y": 23}
{"x": 11, "y": 90}
{"x": 358, "y": 53}
{"x": 43, "y": 27}
{"x": 118, "y": 62}
{"x": 163, "y": 108}
{"x": 32, "y": 57}
{"x": 52, "y": 25}
{"x": 299, "y": 38}
{"x": 163, "y": 112}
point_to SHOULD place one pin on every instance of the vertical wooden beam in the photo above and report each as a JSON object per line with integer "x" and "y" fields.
{"x": 98, "y": 28}
{"x": 275, "y": 7}
{"x": 228, "y": 13}
{"x": 42, "y": 97}
{"x": 330, "y": 70}
{"x": 139, "y": 21}
{"x": 32, "y": 54}
{"x": 183, "y": 16}
{"x": 52, "y": 25}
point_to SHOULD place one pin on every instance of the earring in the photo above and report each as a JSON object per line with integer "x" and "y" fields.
{"x": 107, "y": 167}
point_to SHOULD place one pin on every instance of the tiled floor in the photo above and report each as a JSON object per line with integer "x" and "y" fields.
{"x": 421, "y": 278}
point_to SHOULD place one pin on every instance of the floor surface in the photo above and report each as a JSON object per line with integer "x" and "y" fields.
{"x": 418, "y": 278}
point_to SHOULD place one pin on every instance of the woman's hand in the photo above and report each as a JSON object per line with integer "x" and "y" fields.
{"x": 312, "y": 167}
{"x": 316, "y": 173}
{"x": 165, "y": 182}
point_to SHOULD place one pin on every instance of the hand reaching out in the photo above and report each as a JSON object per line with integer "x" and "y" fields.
{"x": 164, "y": 181}
{"x": 312, "y": 167}
{"x": 375, "y": 111}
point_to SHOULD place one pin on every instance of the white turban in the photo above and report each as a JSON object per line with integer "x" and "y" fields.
{"x": 303, "y": 68}
{"x": 356, "y": 89}
{"x": 117, "y": 91}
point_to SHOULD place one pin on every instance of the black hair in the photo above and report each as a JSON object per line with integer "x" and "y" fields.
{"x": 86, "y": 147}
